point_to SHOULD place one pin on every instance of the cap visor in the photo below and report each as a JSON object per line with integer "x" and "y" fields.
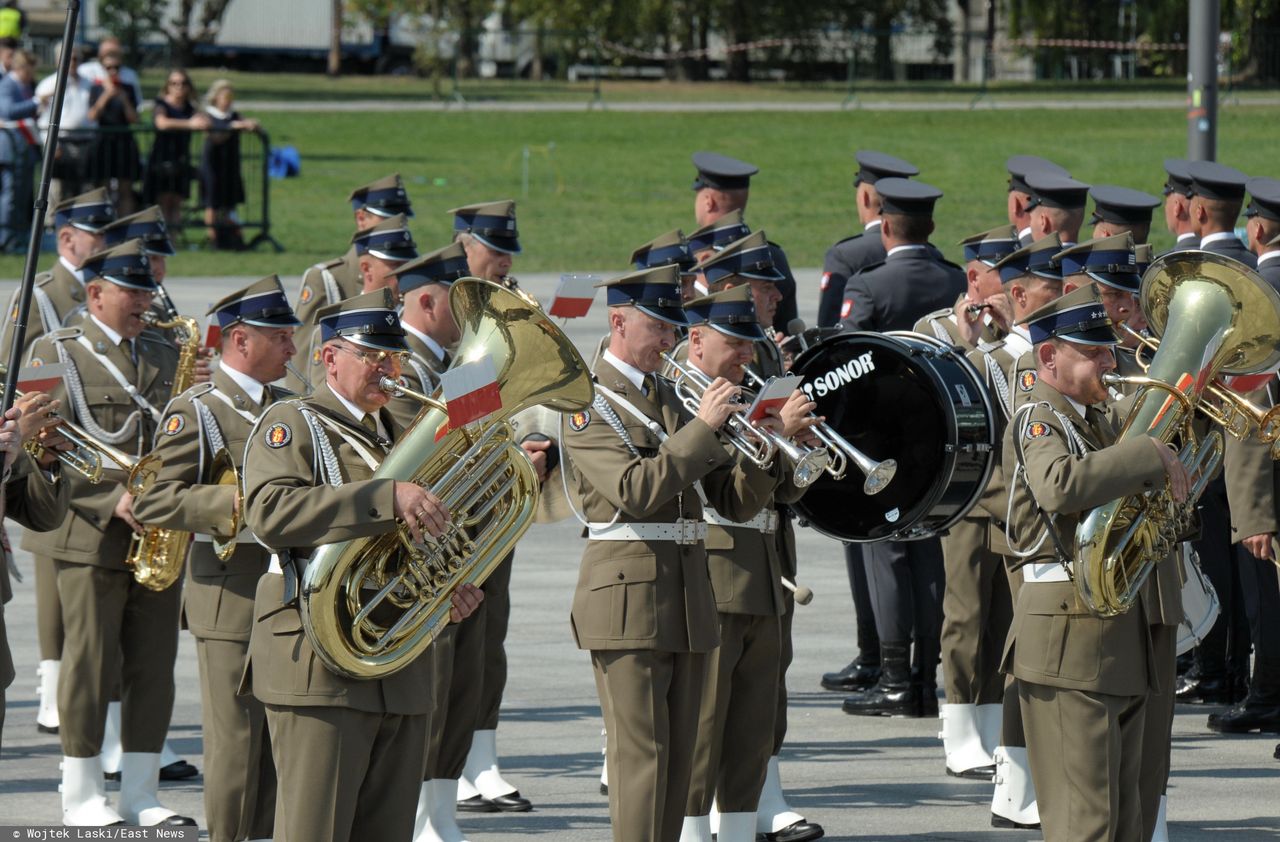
{"x": 502, "y": 244}
{"x": 274, "y": 321}
{"x": 146, "y": 283}
{"x": 402, "y": 255}
{"x": 670, "y": 315}
{"x": 377, "y": 341}
{"x": 1092, "y": 336}
{"x": 1125, "y": 283}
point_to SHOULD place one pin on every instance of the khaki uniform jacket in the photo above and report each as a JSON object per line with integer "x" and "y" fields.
{"x": 1253, "y": 483}
{"x": 89, "y": 534}
{"x": 941, "y": 325}
{"x": 61, "y": 289}
{"x": 34, "y": 499}
{"x": 651, "y": 594}
{"x": 422, "y": 361}
{"x": 1054, "y": 640}
{"x": 184, "y": 497}
{"x": 290, "y": 511}
{"x": 342, "y": 273}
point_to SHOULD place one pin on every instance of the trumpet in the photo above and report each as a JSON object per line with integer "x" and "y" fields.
{"x": 758, "y": 444}
{"x": 840, "y": 453}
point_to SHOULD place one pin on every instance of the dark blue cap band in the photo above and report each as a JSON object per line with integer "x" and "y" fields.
{"x": 496, "y": 226}
{"x": 153, "y": 233}
{"x": 390, "y": 200}
{"x": 268, "y": 309}
{"x": 735, "y": 318}
{"x": 127, "y": 270}
{"x": 1088, "y": 323}
{"x": 756, "y": 263}
{"x": 1119, "y": 261}
{"x": 90, "y": 218}
{"x": 678, "y": 253}
{"x": 376, "y": 327}
{"x": 443, "y": 272}
{"x": 718, "y": 237}
{"x": 661, "y": 301}
{"x": 390, "y": 245}
{"x": 990, "y": 252}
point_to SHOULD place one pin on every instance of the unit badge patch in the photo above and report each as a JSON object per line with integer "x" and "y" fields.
{"x": 1027, "y": 381}
{"x": 579, "y": 420}
{"x": 278, "y": 435}
{"x": 174, "y": 425}
{"x": 306, "y": 295}
{"x": 1038, "y": 429}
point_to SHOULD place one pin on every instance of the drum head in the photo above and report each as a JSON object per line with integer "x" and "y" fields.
{"x": 886, "y": 402}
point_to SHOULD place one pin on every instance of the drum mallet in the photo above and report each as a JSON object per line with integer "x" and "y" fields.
{"x": 803, "y": 595}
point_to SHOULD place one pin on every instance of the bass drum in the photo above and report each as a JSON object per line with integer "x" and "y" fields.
{"x": 907, "y": 397}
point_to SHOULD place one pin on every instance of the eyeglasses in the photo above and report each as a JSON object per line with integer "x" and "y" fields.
{"x": 375, "y": 359}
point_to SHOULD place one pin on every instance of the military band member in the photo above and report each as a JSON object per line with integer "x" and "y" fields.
{"x": 117, "y": 631}
{"x": 1117, "y": 210}
{"x": 207, "y": 421}
{"x": 1110, "y": 265}
{"x": 671, "y": 247}
{"x": 78, "y": 222}
{"x": 1263, "y": 227}
{"x": 853, "y": 254}
{"x": 638, "y": 455}
{"x": 1057, "y": 206}
{"x": 1177, "y": 204}
{"x": 723, "y": 186}
{"x": 358, "y": 741}
{"x": 338, "y": 279}
{"x": 1217, "y": 195}
{"x": 741, "y": 690}
{"x": 976, "y": 609}
{"x": 488, "y": 234}
{"x": 1083, "y": 681}
{"x": 911, "y": 281}
{"x": 1019, "y": 204}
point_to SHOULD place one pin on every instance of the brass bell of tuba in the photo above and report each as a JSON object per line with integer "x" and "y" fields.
{"x": 1214, "y": 315}
{"x": 371, "y": 606}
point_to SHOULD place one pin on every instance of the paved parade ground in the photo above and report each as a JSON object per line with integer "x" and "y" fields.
{"x": 875, "y": 779}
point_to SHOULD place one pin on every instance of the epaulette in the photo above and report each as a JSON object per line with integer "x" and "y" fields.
{"x": 869, "y": 267}
{"x": 332, "y": 264}
{"x": 62, "y": 334}
{"x": 199, "y": 389}
{"x": 43, "y": 278}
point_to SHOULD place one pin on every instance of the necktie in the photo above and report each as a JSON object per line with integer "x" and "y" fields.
{"x": 648, "y": 385}
{"x": 130, "y": 349}
{"x": 370, "y": 424}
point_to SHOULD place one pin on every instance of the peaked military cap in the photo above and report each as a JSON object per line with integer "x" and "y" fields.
{"x": 671, "y": 247}
{"x": 1265, "y": 193}
{"x": 1212, "y": 180}
{"x": 992, "y": 246}
{"x": 751, "y": 258}
{"x": 717, "y": 234}
{"x": 368, "y": 320}
{"x": 873, "y": 166}
{"x": 730, "y": 311}
{"x": 1035, "y": 259}
{"x": 91, "y": 211}
{"x": 262, "y": 303}
{"x": 126, "y": 265}
{"x": 721, "y": 172}
{"x": 147, "y": 225}
{"x": 1077, "y": 316}
{"x": 911, "y": 198}
{"x": 1108, "y": 260}
{"x": 384, "y": 197}
{"x": 1143, "y": 254}
{"x": 1056, "y": 191}
{"x": 654, "y": 292}
{"x": 1178, "y": 176}
{"x": 1020, "y": 165}
{"x": 1122, "y": 205}
{"x": 389, "y": 239}
{"x": 492, "y": 223}
{"x": 442, "y": 266}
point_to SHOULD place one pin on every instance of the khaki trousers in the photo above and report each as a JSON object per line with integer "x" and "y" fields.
{"x": 457, "y": 664}
{"x": 346, "y": 775}
{"x": 118, "y": 633}
{"x": 650, "y": 705}
{"x": 976, "y": 614}
{"x": 497, "y": 617}
{"x": 48, "y": 609}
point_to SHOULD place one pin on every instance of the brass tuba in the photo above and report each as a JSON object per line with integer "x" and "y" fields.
{"x": 1215, "y": 315}
{"x": 371, "y": 606}
{"x": 158, "y": 555}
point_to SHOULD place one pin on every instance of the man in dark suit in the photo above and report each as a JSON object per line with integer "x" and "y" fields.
{"x": 1019, "y": 202}
{"x": 1264, "y": 227}
{"x": 1217, "y": 194}
{"x": 1177, "y": 204}
{"x": 1057, "y": 206}
{"x": 1117, "y": 210}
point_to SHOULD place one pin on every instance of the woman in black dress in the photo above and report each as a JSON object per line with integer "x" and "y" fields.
{"x": 221, "y": 185}
{"x": 169, "y": 171}
{"x": 115, "y": 163}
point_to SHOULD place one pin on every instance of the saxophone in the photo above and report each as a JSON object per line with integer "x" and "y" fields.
{"x": 158, "y": 554}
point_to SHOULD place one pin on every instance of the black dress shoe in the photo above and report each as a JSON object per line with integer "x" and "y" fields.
{"x": 46, "y": 729}
{"x": 929, "y": 703}
{"x": 1277, "y": 754}
{"x": 178, "y": 821}
{"x": 178, "y": 770}
{"x": 477, "y": 804}
{"x": 882, "y": 700}
{"x": 604, "y": 789}
{"x": 1203, "y": 691}
{"x": 798, "y": 832}
{"x": 977, "y": 773}
{"x": 512, "y": 802}
{"x": 1244, "y": 718}
{"x": 1010, "y": 824}
{"x": 856, "y": 676}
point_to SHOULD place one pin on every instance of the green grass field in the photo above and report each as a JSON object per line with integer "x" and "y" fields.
{"x": 602, "y": 183}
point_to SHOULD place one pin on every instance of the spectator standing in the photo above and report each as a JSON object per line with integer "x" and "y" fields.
{"x": 221, "y": 185}
{"x": 76, "y": 131}
{"x": 18, "y": 151}
{"x": 94, "y": 71}
{"x": 114, "y": 106}
{"x": 169, "y": 171}
{"x": 13, "y": 21}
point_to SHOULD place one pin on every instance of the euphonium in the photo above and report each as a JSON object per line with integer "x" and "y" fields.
{"x": 158, "y": 554}
{"x": 371, "y": 606}
{"x": 1215, "y": 315}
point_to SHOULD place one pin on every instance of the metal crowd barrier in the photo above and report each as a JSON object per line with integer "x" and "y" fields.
{"x": 105, "y": 157}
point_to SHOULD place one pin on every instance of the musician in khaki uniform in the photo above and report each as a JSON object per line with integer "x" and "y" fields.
{"x": 741, "y": 690}
{"x": 644, "y": 605}
{"x": 749, "y": 261}
{"x": 1083, "y": 681}
{"x": 340, "y": 278}
{"x": 208, "y": 422}
{"x": 357, "y": 742}
{"x": 117, "y": 631}
{"x": 982, "y": 313}
{"x": 78, "y": 222}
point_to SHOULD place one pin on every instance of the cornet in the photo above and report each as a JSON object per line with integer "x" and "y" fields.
{"x": 840, "y": 453}
{"x": 757, "y": 444}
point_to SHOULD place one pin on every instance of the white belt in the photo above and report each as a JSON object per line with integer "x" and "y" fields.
{"x": 766, "y": 521}
{"x": 1048, "y": 572}
{"x": 682, "y": 531}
